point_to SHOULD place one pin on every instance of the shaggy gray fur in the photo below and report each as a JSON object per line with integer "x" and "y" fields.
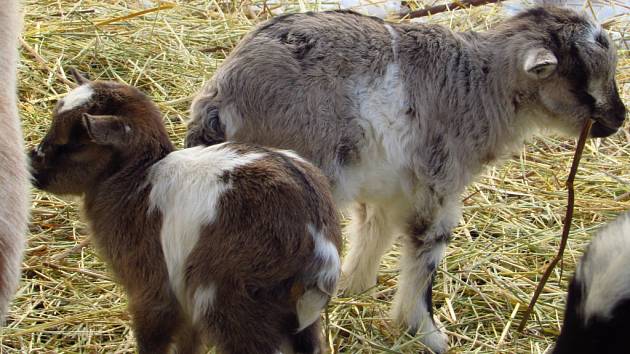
{"x": 401, "y": 117}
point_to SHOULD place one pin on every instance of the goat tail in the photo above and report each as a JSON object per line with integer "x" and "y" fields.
{"x": 204, "y": 127}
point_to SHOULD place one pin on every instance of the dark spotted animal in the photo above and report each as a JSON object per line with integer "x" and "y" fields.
{"x": 234, "y": 245}
{"x": 597, "y": 316}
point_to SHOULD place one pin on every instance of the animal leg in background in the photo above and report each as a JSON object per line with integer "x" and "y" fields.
{"x": 155, "y": 322}
{"x": 372, "y": 230}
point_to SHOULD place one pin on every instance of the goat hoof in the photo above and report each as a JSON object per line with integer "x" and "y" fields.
{"x": 352, "y": 285}
{"x": 437, "y": 341}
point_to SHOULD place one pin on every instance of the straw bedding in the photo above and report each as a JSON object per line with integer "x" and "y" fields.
{"x": 511, "y": 224}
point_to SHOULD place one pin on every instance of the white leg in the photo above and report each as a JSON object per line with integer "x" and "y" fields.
{"x": 412, "y": 305}
{"x": 424, "y": 248}
{"x": 371, "y": 232}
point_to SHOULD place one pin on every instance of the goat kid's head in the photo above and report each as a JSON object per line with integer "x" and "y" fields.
{"x": 571, "y": 62}
{"x": 94, "y": 129}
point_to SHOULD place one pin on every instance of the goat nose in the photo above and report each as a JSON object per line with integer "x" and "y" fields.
{"x": 618, "y": 109}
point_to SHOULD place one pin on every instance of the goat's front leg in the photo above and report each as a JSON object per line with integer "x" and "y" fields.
{"x": 423, "y": 248}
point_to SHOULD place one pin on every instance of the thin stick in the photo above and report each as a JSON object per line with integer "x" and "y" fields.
{"x": 447, "y": 7}
{"x": 162, "y": 6}
{"x": 76, "y": 249}
{"x": 43, "y": 63}
{"x": 567, "y": 223}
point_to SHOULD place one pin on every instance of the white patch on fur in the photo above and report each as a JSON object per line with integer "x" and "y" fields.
{"x": 605, "y": 269}
{"x": 383, "y": 168}
{"x": 40, "y": 151}
{"x": 381, "y": 177}
{"x": 203, "y": 300}
{"x": 328, "y": 255}
{"x": 76, "y": 98}
{"x": 292, "y": 155}
{"x": 395, "y": 39}
{"x": 229, "y": 116}
{"x": 186, "y": 189}
{"x": 383, "y": 108}
{"x": 311, "y": 303}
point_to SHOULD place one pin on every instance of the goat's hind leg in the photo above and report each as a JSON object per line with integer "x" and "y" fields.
{"x": 371, "y": 232}
{"x": 188, "y": 340}
{"x": 155, "y": 325}
{"x": 244, "y": 326}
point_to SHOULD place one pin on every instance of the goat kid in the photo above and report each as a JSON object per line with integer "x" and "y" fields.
{"x": 402, "y": 117}
{"x": 597, "y": 316}
{"x": 232, "y": 244}
{"x": 13, "y": 171}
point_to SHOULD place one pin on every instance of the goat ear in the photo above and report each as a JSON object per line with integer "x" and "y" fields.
{"x": 540, "y": 63}
{"x": 79, "y": 77}
{"x": 106, "y": 130}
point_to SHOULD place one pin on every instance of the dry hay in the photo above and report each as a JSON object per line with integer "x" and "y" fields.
{"x": 510, "y": 228}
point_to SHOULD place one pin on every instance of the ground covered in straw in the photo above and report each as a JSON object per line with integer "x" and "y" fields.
{"x": 512, "y": 217}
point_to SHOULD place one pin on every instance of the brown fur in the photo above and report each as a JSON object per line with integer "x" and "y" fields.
{"x": 255, "y": 251}
{"x": 248, "y": 298}
{"x": 13, "y": 173}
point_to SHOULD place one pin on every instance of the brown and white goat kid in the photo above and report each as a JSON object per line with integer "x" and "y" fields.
{"x": 232, "y": 244}
{"x": 402, "y": 117}
{"x": 13, "y": 171}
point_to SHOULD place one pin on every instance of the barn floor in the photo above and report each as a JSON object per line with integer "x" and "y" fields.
{"x": 512, "y": 218}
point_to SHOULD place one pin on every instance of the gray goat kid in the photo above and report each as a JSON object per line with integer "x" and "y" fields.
{"x": 402, "y": 117}
{"x": 13, "y": 172}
